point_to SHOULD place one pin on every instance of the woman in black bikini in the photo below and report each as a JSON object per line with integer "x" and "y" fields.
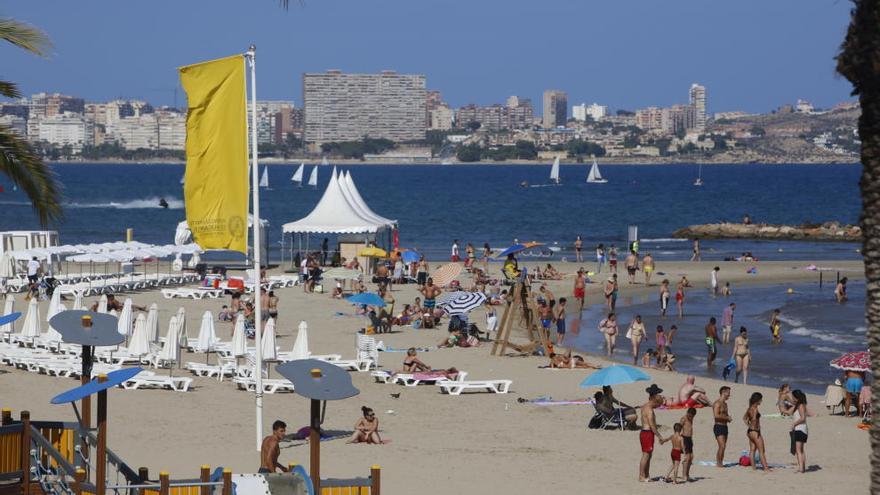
{"x": 412, "y": 364}
{"x": 752, "y": 419}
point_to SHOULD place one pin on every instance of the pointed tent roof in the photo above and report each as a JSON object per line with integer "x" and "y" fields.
{"x": 355, "y": 197}
{"x": 334, "y": 213}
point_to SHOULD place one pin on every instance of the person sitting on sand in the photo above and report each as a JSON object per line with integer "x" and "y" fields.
{"x": 454, "y": 339}
{"x": 404, "y": 317}
{"x": 610, "y": 403}
{"x": 568, "y": 361}
{"x": 646, "y": 358}
{"x": 366, "y": 430}
{"x": 690, "y": 395}
{"x": 412, "y": 364}
{"x": 551, "y": 273}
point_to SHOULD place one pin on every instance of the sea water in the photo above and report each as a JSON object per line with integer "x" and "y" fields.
{"x": 815, "y": 330}
{"x": 436, "y": 204}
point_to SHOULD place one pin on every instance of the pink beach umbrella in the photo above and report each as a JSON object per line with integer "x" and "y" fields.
{"x": 853, "y": 361}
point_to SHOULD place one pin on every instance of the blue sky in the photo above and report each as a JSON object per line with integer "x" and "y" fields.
{"x": 752, "y": 55}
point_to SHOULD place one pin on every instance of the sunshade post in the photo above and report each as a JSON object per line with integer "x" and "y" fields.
{"x": 101, "y": 455}
{"x": 86, "y": 402}
{"x": 26, "y": 453}
{"x": 315, "y": 443}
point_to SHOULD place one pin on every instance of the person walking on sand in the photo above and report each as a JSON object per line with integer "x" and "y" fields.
{"x": 578, "y": 250}
{"x": 799, "y": 430}
{"x": 742, "y": 355}
{"x": 636, "y": 333}
{"x": 270, "y": 450}
{"x": 713, "y": 280}
{"x": 632, "y": 266}
{"x": 600, "y": 257}
{"x": 455, "y": 257}
{"x": 649, "y": 430}
{"x": 687, "y": 438}
{"x": 696, "y": 255}
{"x": 487, "y": 253}
{"x": 677, "y": 446}
{"x": 609, "y": 330}
{"x": 664, "y": 297}
{"x": 722, "y": 418}
{"x": 580, "y": 289}
{"x": 711, "y": 342}
{"x": 609, "y": 291}
{"x": 612, "y": 259}
{"x": 752, "y": 419}
{"x": 648, "y": 267}
{"x": 560, "y": 320}
{"x": 727, "y": 323}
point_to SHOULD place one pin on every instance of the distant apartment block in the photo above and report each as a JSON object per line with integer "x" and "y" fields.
{"x": 65, "y": 129}
{"x": 160, "y": 130}
{"x": 678, "y": 119}
{"x": 803, "y": 106}
{"x": 697, "y": 98}
{"x": 17, "y": 124}
{"x": 517, "y": 113}
{"x": 441, "y": 118}
{"x": 594, "y": 111}
{"x": 555, "y": 108}
{"x": 348, "y": 107}
{"x": 650, "y": 119}
{"x": 267, "y": 119}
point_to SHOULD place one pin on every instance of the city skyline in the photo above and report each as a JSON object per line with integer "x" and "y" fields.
{"x": 754, "y": 57}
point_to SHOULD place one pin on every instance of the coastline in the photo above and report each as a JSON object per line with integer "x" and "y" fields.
{"x": 622, "y": 161}
{"x": 213, "y": 423}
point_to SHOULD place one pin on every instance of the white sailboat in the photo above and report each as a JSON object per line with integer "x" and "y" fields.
{"x": 313, "y": 179}
{"x": 699, "y": 180}
{"x": 264, "y": 179}
{"x": 298, "y": 175}
{"x": 324, "y": 161}
{"x": 595, "y": 177}
{"x": 554, "y": 171}
{"x": 182, "y": 178}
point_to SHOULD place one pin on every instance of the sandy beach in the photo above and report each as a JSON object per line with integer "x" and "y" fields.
{"x": 475, "y": 443}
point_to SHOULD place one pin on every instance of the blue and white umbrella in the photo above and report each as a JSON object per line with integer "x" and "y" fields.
{"x": 464, "y": 303}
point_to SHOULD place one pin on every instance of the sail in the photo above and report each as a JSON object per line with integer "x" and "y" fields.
{"x": 313, "y": 179}
{"x": 182, "y": 179}
{"x": 264, "y": 179}
{"x": 324, "y": 161}
{"x": 298, "y": 175}
{"x": 595, "y": 175}
{"x": 554, "y": 172}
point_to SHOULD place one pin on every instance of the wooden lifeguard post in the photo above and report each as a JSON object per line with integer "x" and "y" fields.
{"x": 521, "y": 313}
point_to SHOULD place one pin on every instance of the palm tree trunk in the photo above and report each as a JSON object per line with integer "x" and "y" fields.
{"x": 859, "y": 62}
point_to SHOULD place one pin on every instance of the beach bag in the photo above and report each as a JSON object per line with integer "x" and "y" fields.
{"x": 745, "y": 461}
{"x": 629, "y": 333}
{"x": 601, "y": 326}
{"x": 319, "y": 288}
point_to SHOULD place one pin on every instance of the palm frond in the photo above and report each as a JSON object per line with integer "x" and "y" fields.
{"x": 24, "y": 36}
{"x": 27, "y": 171}
{"x": 9, "y": 90}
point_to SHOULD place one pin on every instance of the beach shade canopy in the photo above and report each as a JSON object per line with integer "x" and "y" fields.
{"x": 125, "y": 318}
{"x": 318, "y": 380}
{"x": 301, "y": 344}
{"x": 32, "y": 327}
{"x": 368, "y": 298}
{"x": 140, "y": 338}
{"x": 614, "y": 375}
{"x": 464, "y": 303}
{"x": 8, "y": 319}
{"x": 444, "y": 275}
{"x": 239, "y": 339}
{"x": 152, "y": 323}
{"x": 267, "y": 341}
{"x": 114, "y": 378}
{"x": 373, "y": 252}
{"x": 207, "y": 336}
{"x": 101, "y": 333}
{"x": 341, "y": 273}
{"x": 8, "y": 309}
{"x": 853, "y": 361}
{"x": 410, "y": 256}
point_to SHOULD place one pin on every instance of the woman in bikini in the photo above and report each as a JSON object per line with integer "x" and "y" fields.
{"x": 752, "y": 419}
{"x": 412, "y": 364}
{"x": 366, "y": 430}
{"x": 636, "y": 333}
{"x": 487, "y": 253}
{"x": 742, "y": 355}
{"x": 785, "y": 401}
{"x": 679, "y": 299}
{"x": 609, "y": 291}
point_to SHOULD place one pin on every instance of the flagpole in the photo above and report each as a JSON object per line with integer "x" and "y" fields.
{"x": 255, "y": 180}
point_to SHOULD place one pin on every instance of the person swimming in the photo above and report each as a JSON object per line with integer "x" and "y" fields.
{"x": 163, "y": 203}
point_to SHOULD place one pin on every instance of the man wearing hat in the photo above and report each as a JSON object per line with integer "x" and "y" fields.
{"x": 649, "y": 430}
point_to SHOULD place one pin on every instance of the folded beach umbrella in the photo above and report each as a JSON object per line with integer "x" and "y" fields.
{"x": 170, "y": 349}
{"x": 55, "y": 307}
{"x": 78, "y": 302}
{"x": 139, "y": 344}
{"x": 614, "y": 375}
{"x": 410, "y": 256}
{"x": 373, "y": 252}
{"x": 465, "y": 303}
{"x": 341, "y": 273}
{"x": 239, "y": 339}
{"x": 207, "y": 336}
{"x": 853, "y": 361}
{"x": 114, "y": 314}
{"x": 31, "y": 328}
{"x": 102, "y": 304}
{"x": 153, "y": 323}
{"x": 267, "y": 341}
{"x": 8, "y": 308}
{"x": 368, "y": 298}
{"x": 123, "y": 325}
{"x": 7, "y": 265}
{"x": 301, "y": 344}
{"x": 182, "y": 333}
{"x": 444, "y": 275}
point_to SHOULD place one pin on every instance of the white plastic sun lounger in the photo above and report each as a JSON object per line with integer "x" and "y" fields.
{"x": 354, "y": 364}
{"x": 410, "y": 380}
{"x": 145, "y": 379}
{"x": 453, "y": 387}
{"x": 211, "y": 370}
{"x": 270, "y": 385}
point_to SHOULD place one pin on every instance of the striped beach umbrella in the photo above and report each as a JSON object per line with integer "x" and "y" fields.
{"x": 444, "y": 275}
{"x": 465, "y": 303}
{"x": 853, "y": 361}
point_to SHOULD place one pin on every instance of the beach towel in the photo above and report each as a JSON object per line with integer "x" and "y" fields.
{"x": 402, "y": 349}
{"x": 432, "y": 375}
{"x": 562, "y": 402}
{"x": 752, "y": 271}
{"x": 735, "y": 464}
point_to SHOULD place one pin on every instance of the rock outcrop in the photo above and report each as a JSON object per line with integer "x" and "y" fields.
{"x": 829, "y": 231}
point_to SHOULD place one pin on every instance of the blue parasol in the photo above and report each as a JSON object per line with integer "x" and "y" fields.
{"x": 114, "y": 378}
{"x": 511, "y": 250}
{"x": 614, "y": 375}
{"x": 410, "y": 256}
{"x": 9, "y": 318}
{"x": 368, "y": 298}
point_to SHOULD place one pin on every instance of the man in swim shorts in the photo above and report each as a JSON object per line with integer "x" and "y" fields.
{"x": 430, "y": 291}
{"x": 719, "y": 410}
{"x": 560, "y": 320}
{"x": 711, "y": 338}
{"x": 687, "y": 437}
{"x": 580, "y": 287}
{"x": 649, "y": 430}
{"x": 632, "y": 265}
{"x": 648, "y": 267}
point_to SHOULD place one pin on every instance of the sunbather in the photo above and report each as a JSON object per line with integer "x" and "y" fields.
{"x": 366, "y": 430}
{"x": 568, "y": 361}
{"x": 412, "y": 364}
{"x": 404, "y": 317}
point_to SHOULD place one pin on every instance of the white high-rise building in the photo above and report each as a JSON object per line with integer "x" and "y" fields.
{"x": 163, "y": 130}
{"x": 698, "y": 100}
{"x": 17, "y": 124}
{"x": 66, "y": 129}
{"x": 594, "y": 111}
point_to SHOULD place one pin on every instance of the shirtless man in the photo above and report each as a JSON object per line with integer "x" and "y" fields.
{"x": 719, "y": 410}
{"x": 430, "y": 291}
{"x": 632, "y": 265}
{"x": 649, "y": 430}
{"x": 711, "y": 342}
{"x": 648, "y": 267}
{"x": 691, "y": 395}
{"x": 270, "y": 451}
{"x": 579, "y": 288}
{"x": 687, "y": 435}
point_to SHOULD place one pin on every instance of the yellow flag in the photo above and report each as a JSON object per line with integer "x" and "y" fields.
{"x": 216, "y": 180}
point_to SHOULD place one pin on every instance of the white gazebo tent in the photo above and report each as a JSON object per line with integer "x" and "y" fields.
{"x": 341, "y": 211}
